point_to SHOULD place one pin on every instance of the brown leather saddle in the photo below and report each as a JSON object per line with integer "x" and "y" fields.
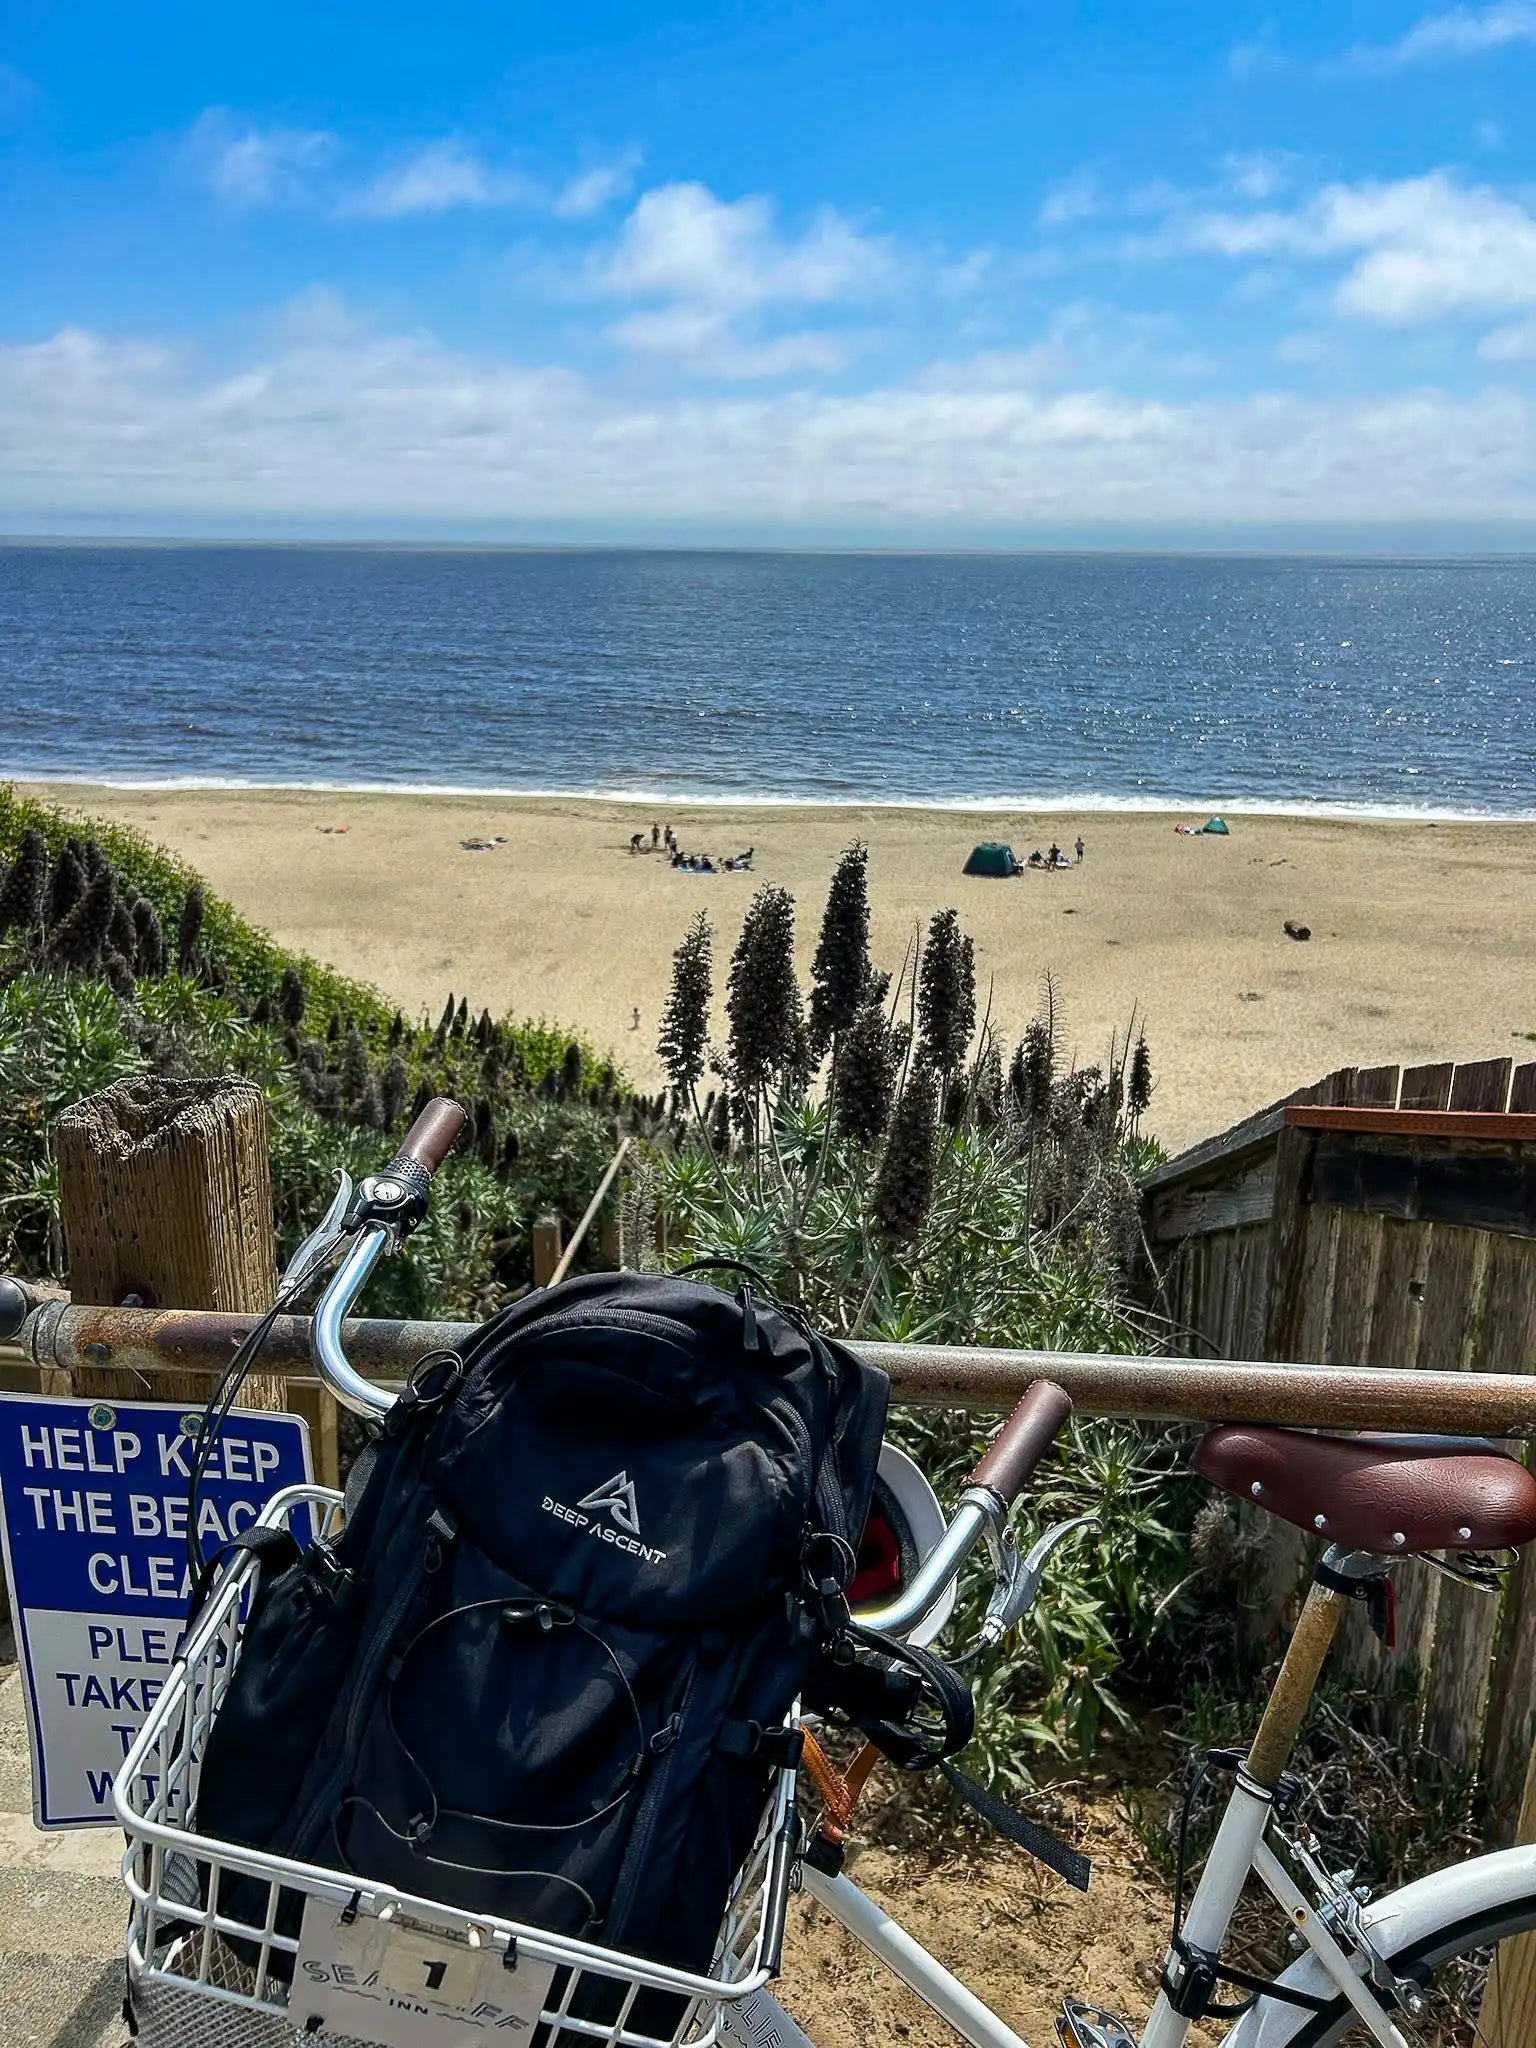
{"x": 1393, "y": 1495}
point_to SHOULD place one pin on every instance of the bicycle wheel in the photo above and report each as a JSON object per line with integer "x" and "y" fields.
{"x": 1479, "y": 1980}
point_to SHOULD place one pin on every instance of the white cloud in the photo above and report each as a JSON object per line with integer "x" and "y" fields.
{"x": 682, "y": 242}
{"x": 591, "y": 190}
{"x": 1513, "y": 344}
{"x": 1073, "y": 199}
{"x": 448, "y": 174}
{"x": 715, "y": 270}
{"x": 1458, "y": 32}
{"x": 399, "y": 427}
{"x": 248, "y": 165}
{"x": 1421, "y": 247}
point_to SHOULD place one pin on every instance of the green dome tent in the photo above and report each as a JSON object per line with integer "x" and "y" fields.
{"x": 1216, "y": 825}
{"x": 991, "y": 858}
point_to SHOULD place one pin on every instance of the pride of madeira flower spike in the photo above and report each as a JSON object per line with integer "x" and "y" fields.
{"x": 904, "y": 1185}
{"x": 864, "y": 1080}
{"x": 24, "y": 892}
{"x": 762, "y": 1003}
{"x": 946, "y": 997}
{"x": 840, "y": 971}
{"x": 684, "y": 1040}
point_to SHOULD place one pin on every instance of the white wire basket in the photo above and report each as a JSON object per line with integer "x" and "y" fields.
{"x": 373, "y": 1967}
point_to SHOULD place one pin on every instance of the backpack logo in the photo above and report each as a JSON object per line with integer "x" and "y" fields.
{"x": 616, "y": 1497}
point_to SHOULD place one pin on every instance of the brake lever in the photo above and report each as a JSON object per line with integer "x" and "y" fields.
{"x": 1019, "y": 1574}
{"x": 324, "y": 1238}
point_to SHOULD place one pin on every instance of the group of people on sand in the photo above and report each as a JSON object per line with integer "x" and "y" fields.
{"x": 1057, "y": 857}
{"x": 665, "y": 840}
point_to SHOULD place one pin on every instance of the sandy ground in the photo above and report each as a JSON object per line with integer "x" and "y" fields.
{"x": 1015, "y": 1935}
{"x": 1422, "y": 934}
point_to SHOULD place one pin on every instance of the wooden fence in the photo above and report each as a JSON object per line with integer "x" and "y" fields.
{"x": 1383, "y": 1217}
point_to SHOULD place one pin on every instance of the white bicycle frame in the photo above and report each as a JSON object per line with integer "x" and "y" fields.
{"x": 1339, "y": 1952}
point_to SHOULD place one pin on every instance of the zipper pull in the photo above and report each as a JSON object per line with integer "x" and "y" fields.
{"x": 748, "y": 1317}
{"x": 666, "y": 1735}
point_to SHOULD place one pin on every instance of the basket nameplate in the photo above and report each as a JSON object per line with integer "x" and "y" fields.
{"x": 405, "y": 1987}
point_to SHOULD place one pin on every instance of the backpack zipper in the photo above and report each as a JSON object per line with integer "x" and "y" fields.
{"x": 652, "y": 1800}
{"x": 378, "y": 1651}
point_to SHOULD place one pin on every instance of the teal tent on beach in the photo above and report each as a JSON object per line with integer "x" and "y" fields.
{"x": 992, "y": 857}
{"x": 1216, "y": 825}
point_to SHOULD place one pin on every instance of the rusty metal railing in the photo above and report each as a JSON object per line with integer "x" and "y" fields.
{"x": 62, "y": 1337}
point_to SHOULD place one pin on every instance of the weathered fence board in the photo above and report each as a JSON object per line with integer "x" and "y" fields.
{"x": 1390, "y": 1241}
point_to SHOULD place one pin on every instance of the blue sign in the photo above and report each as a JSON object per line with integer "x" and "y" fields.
{"x": 93, "y": 1519}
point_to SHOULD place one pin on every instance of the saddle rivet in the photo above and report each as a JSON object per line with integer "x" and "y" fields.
{"x": 1256, "y": 1489}
{"x": 1465, "y": 1535}
{"x": 1399, "y": 1539}
{"x": 1319, "y": 1521}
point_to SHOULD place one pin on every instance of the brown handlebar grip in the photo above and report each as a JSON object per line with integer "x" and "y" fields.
{"x": 1023, "y": 1441}
{"x": 433, "y": 1135}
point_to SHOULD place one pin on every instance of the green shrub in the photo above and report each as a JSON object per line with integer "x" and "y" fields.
{"x": 887, "y": 1169}
{"x": 339, "y": 1067}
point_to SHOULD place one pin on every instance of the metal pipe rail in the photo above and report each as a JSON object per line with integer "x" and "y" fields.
{"x": 63, "y": 1337}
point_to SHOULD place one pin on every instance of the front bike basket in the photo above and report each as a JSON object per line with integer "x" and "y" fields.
{"x": 372, "y": 1965}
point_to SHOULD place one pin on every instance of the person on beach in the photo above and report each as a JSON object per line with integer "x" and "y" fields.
{"x": 1081, "y": 849}
{"x": 655, "y": 837}
{"x": 636, "y": 841}
{"x": 1053, "y": 858}
{"x": 634, "y": 1019}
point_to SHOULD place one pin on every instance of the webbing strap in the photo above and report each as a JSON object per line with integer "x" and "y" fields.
{"x": 1029, "y": 1834}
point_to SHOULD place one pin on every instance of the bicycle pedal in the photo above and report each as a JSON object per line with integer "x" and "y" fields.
{"x": 1089, "y": 2026}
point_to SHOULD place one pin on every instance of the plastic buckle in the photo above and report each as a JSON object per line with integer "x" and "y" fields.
{"x": 1190, "y": 1993}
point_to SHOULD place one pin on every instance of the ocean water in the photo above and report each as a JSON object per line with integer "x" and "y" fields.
{"x": 1265, "y": 682}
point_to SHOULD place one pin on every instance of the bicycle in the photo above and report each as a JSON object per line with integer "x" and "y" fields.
{"x": 1434, "y": 1963}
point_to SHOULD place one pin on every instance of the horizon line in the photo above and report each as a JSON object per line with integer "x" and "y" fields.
{"x": 1360, "y": 550}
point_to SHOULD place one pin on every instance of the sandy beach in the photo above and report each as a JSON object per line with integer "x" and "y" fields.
{"x": 1421, "y": 942}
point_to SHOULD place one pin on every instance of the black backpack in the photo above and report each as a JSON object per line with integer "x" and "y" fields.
{"x": 588, "y": 1566}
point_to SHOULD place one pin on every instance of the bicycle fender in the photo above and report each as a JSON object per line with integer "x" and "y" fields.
{"x": 1397, "y": 1921}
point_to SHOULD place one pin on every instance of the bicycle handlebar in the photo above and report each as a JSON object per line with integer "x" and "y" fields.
{"x": 990, "y": 1491}
{"x": 1023, "y": 1440}
{"x": 431, "y": 1138}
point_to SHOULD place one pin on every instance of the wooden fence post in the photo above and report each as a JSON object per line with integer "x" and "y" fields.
{"x": 546, "y": 1249}
{"x": 1508, "y": 2015}
{"x": 165, "y": 1190}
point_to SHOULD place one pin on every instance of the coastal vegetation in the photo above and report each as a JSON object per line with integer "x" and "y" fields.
{"x": 872, "y": 1149}
{"x": 116, "y": 960}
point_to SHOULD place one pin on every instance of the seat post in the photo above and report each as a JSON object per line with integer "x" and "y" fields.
{"x": 1297, "y": 1678}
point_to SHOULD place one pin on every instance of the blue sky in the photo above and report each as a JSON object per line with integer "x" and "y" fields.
{"x": 876, "y": 274}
